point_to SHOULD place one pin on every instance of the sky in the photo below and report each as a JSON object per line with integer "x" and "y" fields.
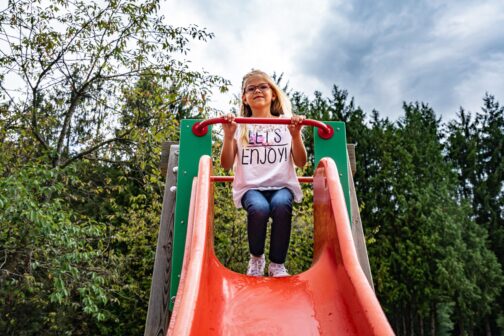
{"x": 447, "y": 53}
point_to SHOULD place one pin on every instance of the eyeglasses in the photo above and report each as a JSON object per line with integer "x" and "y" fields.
{"x": 252, "y": 88}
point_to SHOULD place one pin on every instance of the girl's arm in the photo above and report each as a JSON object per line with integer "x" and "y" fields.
{"x": 229, "y": 147}
{"x": 298, "y": 148}
{"x": 228, "y": 153}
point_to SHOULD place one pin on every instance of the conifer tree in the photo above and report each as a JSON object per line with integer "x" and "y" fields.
{"x": 475, "y": 146}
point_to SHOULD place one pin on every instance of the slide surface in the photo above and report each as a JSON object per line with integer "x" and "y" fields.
{"x": 333, "y": 297}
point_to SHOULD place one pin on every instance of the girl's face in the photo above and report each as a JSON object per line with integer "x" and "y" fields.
{"x": 258, "y": 94}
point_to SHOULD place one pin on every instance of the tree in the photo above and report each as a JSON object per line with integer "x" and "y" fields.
{"x": 49, "y": 262}
{"x": 337, "y": 108}
{"x": 475, "y": 147}
{"x": 430, "y": 254}
{"x": 488, "y": 192}
{"x": 90, "y": 90}
{"x": 72, "y": 60}
{"x": 429, "y": 257}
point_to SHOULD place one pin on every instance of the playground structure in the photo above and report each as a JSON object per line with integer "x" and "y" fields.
{"x": 333, "y": 297}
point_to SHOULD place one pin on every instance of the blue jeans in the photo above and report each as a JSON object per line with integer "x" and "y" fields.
{"x": 260, "y": 205}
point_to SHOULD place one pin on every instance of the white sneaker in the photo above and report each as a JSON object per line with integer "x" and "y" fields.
{"x": 256, "y": 265}
{"x": 277, "y": 270}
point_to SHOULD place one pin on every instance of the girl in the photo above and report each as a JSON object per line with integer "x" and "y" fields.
{"x": 265, "y": 181}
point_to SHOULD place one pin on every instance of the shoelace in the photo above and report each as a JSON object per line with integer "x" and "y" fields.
{"x": 256, "y": 262}
{"x": 278, "y": 269}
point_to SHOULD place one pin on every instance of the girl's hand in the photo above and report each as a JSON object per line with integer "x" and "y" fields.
{"x": 229, "y": 148}
{"x": 229, "y": 127}
{"x": 295, "y": 125}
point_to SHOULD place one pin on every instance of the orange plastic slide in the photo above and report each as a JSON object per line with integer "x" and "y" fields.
{"x": 333, "y": 297}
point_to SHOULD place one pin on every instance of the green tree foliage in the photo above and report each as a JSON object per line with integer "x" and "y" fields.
{"x": 90, "y": 90}
{"x": 73, "y": 60}
{"x": 51, "y": 267}
{"x": 475, "y": 147}
{"x": 429, "y": 258}
{"x": 429, "y": 253}
{"x": 336, "y": 108}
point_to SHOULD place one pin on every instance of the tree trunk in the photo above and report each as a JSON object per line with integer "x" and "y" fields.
{"x": 488, "y": 329}
{"x": 412, "y": 323}
{"x": 403, "y": 331}
{"x": 433, "y": 321}
{"x": 461, "y": 327}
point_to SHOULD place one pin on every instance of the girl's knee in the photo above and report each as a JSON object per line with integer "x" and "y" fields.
{"x": 281, "y": 209}
{"x": 282, "y": 200}
{"x": 259, "y": 209}
{"x": 255, "y": 204}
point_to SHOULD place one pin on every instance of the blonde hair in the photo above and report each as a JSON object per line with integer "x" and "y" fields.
{"x": 279, "y": 106}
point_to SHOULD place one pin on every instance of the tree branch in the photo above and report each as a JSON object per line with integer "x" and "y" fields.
{"x": 94, "y": 148}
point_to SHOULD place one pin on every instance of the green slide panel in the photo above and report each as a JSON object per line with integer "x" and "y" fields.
{"x": 191, "y": 149}
{"x": 335, "y": 148}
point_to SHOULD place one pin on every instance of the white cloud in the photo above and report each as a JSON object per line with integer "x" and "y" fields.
{"x": 256, "y": 34}
{"x": 470, "y": 21}
{"x": 486, "y": 77}
{"x": 445, "y": 54}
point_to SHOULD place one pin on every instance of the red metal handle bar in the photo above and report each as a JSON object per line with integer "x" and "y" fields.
{"x": 214, "y": 178}
{"x": 324, "y": 131}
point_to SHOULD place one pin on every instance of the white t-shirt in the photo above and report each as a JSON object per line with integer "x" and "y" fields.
{"x": 265, "y": 163}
